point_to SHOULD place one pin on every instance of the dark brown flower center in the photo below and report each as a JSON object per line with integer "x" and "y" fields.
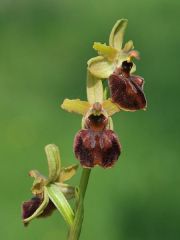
{"x": 126, "y": 66}
{"x": 96, "y": 122}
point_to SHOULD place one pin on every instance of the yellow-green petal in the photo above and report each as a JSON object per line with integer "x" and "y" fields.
{"x": 106, "y": 51}
{"x": 39, "y": 182}
{"x": 68, "y": 172}
{"x": 110, "y": 107}
{"x": 76, "y": 106}
{"x": 111, "y": 126}
{"x": 100, "y": 67}
{"x": 94, "y": 89}
{"x": 128, "y": 46}
{"x": 117, "y": 34}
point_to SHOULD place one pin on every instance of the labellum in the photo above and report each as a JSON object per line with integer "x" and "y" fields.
{"x": 96, "y": 144}
{"x": 126, "y": 89}
{"x": 29, "y": 207}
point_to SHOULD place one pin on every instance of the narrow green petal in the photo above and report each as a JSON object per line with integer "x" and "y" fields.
{"x": 100, "y": 67}
{"x": 76, "y": 106}
{"x": 111, "y": 126}
{"x": 117, "y": 34}
{"x": 68, "y": 172}
{"x": 40, "y": 208}
{"x": 83, "y": 123}
{"x": 59, "y": 200}
{"x": 106, "y": 51}
{"x": 94, "y": 89}
{"x": 54, "y": 162}
{"x": 110, "y": 107}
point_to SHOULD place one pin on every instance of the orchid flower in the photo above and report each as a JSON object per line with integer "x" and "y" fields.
{"x": 46, "y": 190}
{"x": 96, "y": 143}
{"x": 111, "y": 57}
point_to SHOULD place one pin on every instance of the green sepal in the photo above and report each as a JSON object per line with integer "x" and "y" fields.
{"x": 54, "y": 162}
{"x": 101, "y": 67}
{"x": 61, "y": 203}
{"x": 76, "y": 106}
{"x": 94, "y": 89}
{"x": 117, "y": 34}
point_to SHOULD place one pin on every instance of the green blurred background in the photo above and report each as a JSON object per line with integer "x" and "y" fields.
{"x": 44, "y": 46}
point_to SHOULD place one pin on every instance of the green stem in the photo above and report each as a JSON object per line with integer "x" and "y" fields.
{"x": 75, "y": 229}
{"x": 84, "y": 181}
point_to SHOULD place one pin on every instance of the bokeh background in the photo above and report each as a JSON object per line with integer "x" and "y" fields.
{"x": 44, "y": 46}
